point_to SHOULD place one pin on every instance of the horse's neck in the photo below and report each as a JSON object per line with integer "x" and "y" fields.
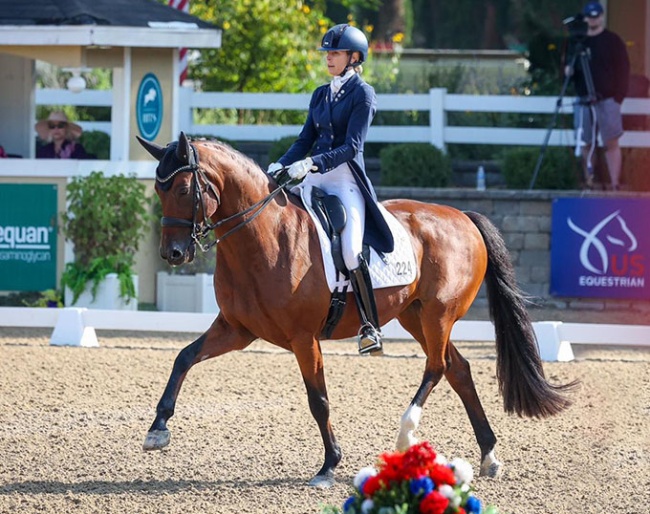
{"x": 263, "y": 242}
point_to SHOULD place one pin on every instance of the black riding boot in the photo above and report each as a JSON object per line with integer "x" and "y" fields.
{"x": 369, "y": 336}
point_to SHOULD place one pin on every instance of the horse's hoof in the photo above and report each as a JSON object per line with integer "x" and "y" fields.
{"x": 322, "y": 481}
{"x": 156, "y": 440}
{"x": 490, "y": 467}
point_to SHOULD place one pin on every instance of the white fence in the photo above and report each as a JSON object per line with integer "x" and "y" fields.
{"x": 437, "y": 103}
{"x": 76, "y": 327}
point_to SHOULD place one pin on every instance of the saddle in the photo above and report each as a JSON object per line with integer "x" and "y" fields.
{"x": 387, "y": 270}
{"x": 332, "y": 216}
{"x": 330, "y": 212}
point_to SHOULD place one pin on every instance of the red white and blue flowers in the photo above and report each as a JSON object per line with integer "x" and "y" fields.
{"x": 417, "y": 481}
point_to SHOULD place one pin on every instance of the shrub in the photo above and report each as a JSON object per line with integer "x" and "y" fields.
{"x": 279, "y": 147}
{"x": 196, "y": 137}
{"x": 560, "y": 169}
{"x": 106, "y": 219}
{"x": 636, "y": 164}
{"x": 97, "y": 143}
{"x": 414, "y": 165}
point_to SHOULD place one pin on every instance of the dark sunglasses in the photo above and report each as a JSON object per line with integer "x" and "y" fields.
{"x": 60, "y": 125}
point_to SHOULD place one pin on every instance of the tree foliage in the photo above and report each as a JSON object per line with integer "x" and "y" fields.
{"x": 267, "y": 45}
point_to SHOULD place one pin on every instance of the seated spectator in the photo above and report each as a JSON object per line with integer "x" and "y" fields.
{"x": 61, "y": 136}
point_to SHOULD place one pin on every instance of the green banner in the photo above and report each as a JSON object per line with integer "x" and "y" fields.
{"x": 28, "y": 234}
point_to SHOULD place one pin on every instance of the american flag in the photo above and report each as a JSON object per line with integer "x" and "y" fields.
{"x": 181, "y": 5}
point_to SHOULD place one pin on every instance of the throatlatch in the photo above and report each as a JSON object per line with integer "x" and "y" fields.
{"x": 369, "y": 337}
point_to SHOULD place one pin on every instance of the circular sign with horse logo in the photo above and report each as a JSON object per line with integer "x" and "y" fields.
{"x": 149, "y": 107}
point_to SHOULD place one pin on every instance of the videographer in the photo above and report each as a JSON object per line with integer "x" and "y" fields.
{"x": 609, "y": 68}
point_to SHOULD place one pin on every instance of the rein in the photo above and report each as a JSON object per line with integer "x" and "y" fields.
{"x": 201, "y": 230}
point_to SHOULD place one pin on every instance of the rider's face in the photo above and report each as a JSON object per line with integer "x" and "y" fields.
{"x": 337, "y": 60}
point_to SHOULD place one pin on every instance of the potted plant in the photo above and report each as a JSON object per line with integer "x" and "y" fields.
{"x": 47, "y": 298}
{"x": 187, "y": 288}
{"x": 106, "y": 219}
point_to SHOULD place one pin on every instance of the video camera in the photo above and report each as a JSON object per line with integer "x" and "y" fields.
{"x": 577, "y": 26}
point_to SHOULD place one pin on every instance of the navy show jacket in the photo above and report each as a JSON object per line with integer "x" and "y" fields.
{"x": 335, "y": 133}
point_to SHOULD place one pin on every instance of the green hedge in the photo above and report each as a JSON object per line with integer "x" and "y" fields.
{"x": 560, "y": 168}
{"x": 414, "y": 165}
{"x": 97, "y": 143}
{"x": 279, "y": 147}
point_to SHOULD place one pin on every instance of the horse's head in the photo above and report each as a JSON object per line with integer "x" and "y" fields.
{"x": 188, "y": 199}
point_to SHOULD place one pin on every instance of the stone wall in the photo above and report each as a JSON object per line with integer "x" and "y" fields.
{"x": 524, "y": 219}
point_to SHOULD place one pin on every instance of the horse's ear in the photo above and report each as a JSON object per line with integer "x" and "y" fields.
{"x": 157, "y": 152}
{"x": 183, "y": 150}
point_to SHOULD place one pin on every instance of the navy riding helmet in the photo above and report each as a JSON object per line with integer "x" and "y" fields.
{"x": 345, "y": 37}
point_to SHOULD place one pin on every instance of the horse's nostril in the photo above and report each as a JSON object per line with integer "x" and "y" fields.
{"x": 176, "y": 254}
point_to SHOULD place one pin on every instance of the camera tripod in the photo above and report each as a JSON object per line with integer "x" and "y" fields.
{"x": 581, "y": 53}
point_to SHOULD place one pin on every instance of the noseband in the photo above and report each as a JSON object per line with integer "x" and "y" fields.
{"x": 201, "y": 229}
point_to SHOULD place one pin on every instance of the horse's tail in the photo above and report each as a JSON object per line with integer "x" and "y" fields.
{"x": 520, "y": 374}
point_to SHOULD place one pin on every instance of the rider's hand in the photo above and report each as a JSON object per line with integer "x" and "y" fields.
{"x": 300, "y": 168}
{"x": 274, "y": 168}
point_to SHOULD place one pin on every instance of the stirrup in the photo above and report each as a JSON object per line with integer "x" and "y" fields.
{"x": 369, "y": 339}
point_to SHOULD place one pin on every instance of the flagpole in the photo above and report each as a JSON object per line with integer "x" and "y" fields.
{"x": 181, "y": 5}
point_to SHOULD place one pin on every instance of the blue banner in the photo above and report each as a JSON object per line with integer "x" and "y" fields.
{"x": 600, "y": 248}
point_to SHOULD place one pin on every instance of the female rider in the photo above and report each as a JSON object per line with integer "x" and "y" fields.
{"x": 335, "y": 132}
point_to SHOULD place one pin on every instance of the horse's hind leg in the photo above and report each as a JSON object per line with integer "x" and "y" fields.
{"x": 219, "y": 339}
{"x": 459, "y": 376}
{"x": 310, "y": 360}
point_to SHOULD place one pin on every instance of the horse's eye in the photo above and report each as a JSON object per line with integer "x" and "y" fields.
{"x": 182, "y": 191}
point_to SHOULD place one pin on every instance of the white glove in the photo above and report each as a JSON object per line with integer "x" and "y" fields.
{"x": 274, "y": 168}
{"x": 300, "y": 168}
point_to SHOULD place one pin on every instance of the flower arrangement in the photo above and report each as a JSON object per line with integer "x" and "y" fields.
{"x": 417, "y": 481}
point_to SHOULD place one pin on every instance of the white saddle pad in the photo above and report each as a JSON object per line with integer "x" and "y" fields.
{"x": 399, "y": 267}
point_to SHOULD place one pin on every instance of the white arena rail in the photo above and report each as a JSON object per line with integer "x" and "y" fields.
{"x": 437, "y": 102}
{"x": 76, "y": 327}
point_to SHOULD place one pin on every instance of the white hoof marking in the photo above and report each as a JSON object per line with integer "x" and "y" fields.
{"x": 490, "y": 467}
{"x": 409, "y": 424}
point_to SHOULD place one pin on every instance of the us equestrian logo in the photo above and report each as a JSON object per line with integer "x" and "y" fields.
{"x": 609, "y": 252}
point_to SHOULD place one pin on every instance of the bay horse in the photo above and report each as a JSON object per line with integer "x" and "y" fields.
{"x": 270, "y": 284}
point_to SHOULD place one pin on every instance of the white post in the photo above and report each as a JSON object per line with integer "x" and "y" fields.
{"x": 185, "y": 115}
{"x": 175, "y": 93}
{"x": 121, "y": 110}
{"x": 552, "y": 348}
{"x": 71, "y": 329}
{"x": 437, "y": 117}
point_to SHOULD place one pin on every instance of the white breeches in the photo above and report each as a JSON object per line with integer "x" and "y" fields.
{"x": 340, "y": 182}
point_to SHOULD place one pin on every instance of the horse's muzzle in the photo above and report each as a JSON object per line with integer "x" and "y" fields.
{"x": 176, "y": 255}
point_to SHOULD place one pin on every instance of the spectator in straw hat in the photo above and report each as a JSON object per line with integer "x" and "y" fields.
{"x": 61, "y": 136}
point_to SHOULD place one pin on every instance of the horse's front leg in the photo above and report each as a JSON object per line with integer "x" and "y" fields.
{"x": 310, "y": 360}
{"x": 220, "y": 338}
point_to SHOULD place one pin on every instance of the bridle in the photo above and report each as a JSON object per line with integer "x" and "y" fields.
{"x": 202, "y": 228}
